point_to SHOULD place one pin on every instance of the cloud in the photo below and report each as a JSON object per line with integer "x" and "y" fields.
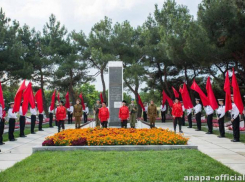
{"x": 83, "y": 14}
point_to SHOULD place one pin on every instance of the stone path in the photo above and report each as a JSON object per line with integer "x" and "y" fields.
{"x": 13, "y": 152}
{"x": 221, "y": 149}
{"x": 139, "y": 124}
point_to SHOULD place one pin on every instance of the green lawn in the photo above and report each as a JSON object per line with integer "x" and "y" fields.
{"x": 170, "y": 165}
{"x": 27, "y": 131}
{"x": 227, "y": 135}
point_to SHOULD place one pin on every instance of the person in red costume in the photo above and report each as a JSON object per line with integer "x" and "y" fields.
{"x": 104, "y": 115}
{"x": 177, "y": 114}
{"x": 124, "y": 114}
{"x": 61, "y": 115}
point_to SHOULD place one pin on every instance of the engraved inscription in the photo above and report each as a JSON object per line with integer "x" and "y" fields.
{"x": 115, "y": 94}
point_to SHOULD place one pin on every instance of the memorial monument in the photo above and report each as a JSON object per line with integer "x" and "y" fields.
{"x": 115, "y": 91}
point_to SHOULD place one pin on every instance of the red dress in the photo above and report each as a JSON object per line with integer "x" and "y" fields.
{"x": 60, "y": 113}
{"x": 177, "y": 110}
{"x": 124, "y": 113}
{"x": 104, "y": 114}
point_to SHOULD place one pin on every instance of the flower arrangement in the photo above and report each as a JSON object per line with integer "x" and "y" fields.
{"x": 115, "y": 136}
{"x": 215, "y": 125}
{"x": 241, "y": 128}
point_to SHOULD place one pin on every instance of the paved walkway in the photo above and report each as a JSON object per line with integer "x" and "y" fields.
{"x": 221, "y": 149}
{"x": 13, "y": 152}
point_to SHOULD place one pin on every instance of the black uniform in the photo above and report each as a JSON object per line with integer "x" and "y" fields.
{"x": 198, "y": 110}
{"x": 2, "y": 122}
{"x": 236, "y": 122}
{"x": 33, "y": 119}
{"x": 221, "y": 118}
{"x": 51, "y": 115}
{"x": 12, "y": 119}
{"x": 145, "y": 114}
{"x": 183, "y": 117}
{"x": 163, "y": 113}
{"x": 40, "y": 125}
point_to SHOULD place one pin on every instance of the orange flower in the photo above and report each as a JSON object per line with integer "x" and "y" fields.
{"x": 119, "y": 136}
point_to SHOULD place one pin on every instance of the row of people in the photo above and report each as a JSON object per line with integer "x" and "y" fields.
{"x": 60, "y": 116}
{"x": 61, "y": 111}
{"x": 163, "y": 109}
{"x": 12, "y": 117}
{"x": 125, "y": 113}
{"x": 70, "y": 112}
{"x": 197, "y": 112}
{"x": 235, "y": 118}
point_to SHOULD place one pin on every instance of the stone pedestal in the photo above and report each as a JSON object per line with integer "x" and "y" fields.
{"x": 115, "y": 91}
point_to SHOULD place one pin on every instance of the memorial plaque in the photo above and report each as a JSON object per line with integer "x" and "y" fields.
{"x": 117, "y": 104}
{"x": 115, "y": 92}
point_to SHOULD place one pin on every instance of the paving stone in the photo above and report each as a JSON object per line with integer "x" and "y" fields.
{"x": 6, "y": 164}
{"x": 220, "y": 149}
{"x": 13, "y": 157}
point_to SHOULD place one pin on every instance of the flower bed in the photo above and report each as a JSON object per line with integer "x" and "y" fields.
{"x": 115, "y": 136}
{"x": 241, "y": 128}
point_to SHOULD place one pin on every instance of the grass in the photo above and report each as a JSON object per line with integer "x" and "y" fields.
{"x": 169, "y": 165}
{"x": 27, "y": 131}
{"x": 227, "y": 135}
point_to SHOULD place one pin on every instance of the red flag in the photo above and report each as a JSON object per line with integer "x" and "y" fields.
{"x": 32, "y": 99}
{"x": 25, "y": 99}
{"x": 180, "y": 90}
{"x": 28, "y": 98}
{"x": 39, "y": 99}
{"x": 170, "y": 101}
{"x": 141, "y": 103}
{"x": 176, "y": 94}
{"x": 166, "y": 97}
{"x": 211, "y": 98}
{"x": 82, "y": 101}
{"x": 236, "y": 92}
{"x": 227, "y": 90}
{"x": 18, "y": 97}
{"x": 101, "y": 98}
{"x": 52, "y": 101}
{"x": 67, "y": 104}
{"x": 58, "y": 97}
{"x": 1, "y": 97}
{"x": 4, "y": 114}
{"x": 186, "y": 97}
{"x": 203, "y": 97}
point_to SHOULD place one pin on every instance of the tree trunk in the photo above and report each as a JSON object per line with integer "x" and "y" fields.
{"x": 103, "y": 84}
{"x": 71, "y": 90}
{"x": 186, "y": 75}
{"x": 166, "y": 82}
{"x": 161, "y": 75}
{"x": 135, "y": 91}
{"x": 139, "y": 113}
{"x": 240, "y": 57}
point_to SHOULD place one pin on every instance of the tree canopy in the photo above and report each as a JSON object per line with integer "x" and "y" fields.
{"x": 168, "y": 49}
